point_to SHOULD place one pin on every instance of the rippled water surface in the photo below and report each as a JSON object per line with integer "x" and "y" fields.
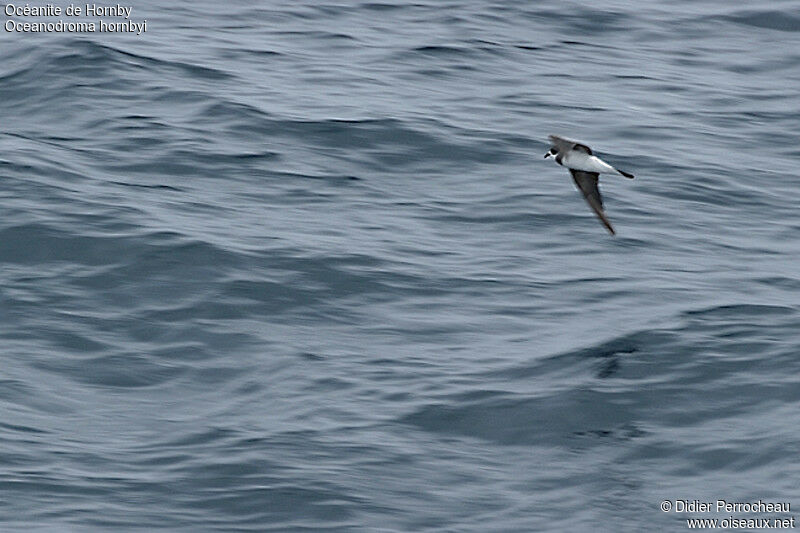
{"x": 301, "y": 266}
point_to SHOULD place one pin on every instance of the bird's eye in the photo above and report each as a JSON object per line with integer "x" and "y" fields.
{"x": 554, "y": 151}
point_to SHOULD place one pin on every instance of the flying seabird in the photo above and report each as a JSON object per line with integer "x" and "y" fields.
{"x": 585, "y": 169}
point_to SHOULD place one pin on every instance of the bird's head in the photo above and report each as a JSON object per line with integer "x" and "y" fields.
{"x": 552, "y": 152}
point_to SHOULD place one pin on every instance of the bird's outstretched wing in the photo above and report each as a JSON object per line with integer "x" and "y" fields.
{"x": 565, "y": 145}
{"x": 587, "y": 183}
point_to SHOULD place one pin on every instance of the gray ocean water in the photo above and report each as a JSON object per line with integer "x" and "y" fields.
{"x": 301, "y": 266}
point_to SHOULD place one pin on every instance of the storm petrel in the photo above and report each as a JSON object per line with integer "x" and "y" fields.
{"x": 585, "y": 169}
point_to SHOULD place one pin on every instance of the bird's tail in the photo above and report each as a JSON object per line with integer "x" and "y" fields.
{"x": 626, "y": 174}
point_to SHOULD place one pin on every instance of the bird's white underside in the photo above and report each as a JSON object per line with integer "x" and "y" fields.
{"x": 588, "y": 163}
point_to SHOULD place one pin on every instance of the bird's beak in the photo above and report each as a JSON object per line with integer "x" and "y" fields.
{"x": 547, "y": 155}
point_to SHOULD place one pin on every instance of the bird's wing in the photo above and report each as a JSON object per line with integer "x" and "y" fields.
{"x": 565, "y": 145}
{"x": 587, "y": 183}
